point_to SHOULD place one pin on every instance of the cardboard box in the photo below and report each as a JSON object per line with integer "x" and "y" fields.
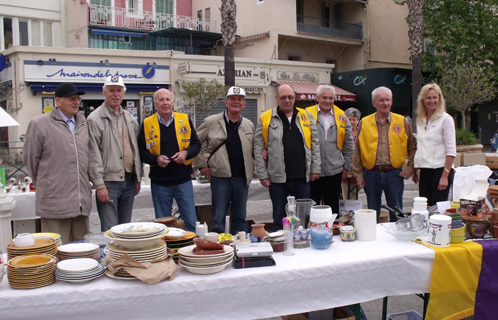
{"x": 458, "y": 160}
{"x": 470, "y": 159}
{"x": 342, "y": 313}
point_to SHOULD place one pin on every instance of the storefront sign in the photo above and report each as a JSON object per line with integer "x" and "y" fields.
{"x": 298, "y": 76}
{"x": 359, "y": 80}
{"x": 238, "y": 73}
{"x": 312, "y": 97}
{"x": 400, "y": 79}
{"x": 183, "y": 68}
{"x": 253, "y": 90}
{"x": 41, "y": 71}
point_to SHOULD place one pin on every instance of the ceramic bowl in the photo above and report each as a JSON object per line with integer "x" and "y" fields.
{"x": 458, "y": 231}
{"x": 24, "y": 240}
{"x": 457, "y": 238}
{"x": 403, "y": 235}
{"x": 476, "y": 229}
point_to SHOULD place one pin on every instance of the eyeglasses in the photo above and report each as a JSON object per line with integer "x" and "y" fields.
{"x": 74, "y": 98}
{"x": 286, "y": 97}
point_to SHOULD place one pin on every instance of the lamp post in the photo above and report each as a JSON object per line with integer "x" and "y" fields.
{"x": 7, "y": 203}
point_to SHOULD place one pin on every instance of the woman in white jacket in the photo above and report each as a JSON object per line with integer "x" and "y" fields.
{"x": 436, "y": 145}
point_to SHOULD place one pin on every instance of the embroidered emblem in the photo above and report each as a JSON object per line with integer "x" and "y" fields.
{"x": 396, "y": 129}
{"x": 115, "y": 79}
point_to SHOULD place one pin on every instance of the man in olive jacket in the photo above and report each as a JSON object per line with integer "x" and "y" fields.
{"x": 228, "y": 139}
{"x": 56, "y": 156}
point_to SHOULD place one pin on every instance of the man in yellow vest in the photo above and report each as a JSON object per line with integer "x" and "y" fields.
{"x": 167, "y": 141}
{"x": 289, "y": 134}
{"x": 336, "y": 147}
{"x": 385, "y": 141}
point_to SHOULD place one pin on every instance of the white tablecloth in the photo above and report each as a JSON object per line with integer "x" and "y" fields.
{"x": 346, "y": 273}
{"x": 25, "y": 207}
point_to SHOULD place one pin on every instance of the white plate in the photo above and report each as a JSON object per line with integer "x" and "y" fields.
{"x": 136, "y": 244}
{"x": 108, "y": 273}
{"x": 78, "y": 247}
{"x": 207, "y": 270}
{"x": 175, "y": 234}
{"x": 205, "y": 264}
{"x": 204, "y": 259}
{"x": 77, "y": 265}
{"x": 138, "y": 228}
{"x": 187, "y": 251}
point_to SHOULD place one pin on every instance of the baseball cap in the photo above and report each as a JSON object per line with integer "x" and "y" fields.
{"x": 114, "y": 81}
{"x": 67, "y": 90}
{"x": 236, "y": 91}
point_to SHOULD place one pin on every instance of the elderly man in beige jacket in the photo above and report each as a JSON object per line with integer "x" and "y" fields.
{"x": 228, "y": 139}
{"x": 56, "y": 156}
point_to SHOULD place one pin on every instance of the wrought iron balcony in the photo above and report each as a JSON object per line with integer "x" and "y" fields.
{"x": 146, "y": 20}
{"x": 329, "y": 28}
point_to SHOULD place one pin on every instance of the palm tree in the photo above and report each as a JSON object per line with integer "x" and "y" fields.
{"x": 416, "y": 34}
{"x": 228, "y": 31}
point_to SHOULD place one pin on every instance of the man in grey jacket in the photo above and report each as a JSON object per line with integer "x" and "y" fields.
{"x": 56, "y": 156}
{"x": 228, "y": 139}
{"x": 115, "y": 167}
{"x": 289, "y": 134}
{"x": 336, "y": 148}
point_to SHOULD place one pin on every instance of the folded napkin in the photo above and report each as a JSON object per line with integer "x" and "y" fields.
{"x": 149, "y": 272}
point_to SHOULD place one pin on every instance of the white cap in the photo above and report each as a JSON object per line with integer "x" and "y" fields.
{"x": 236, "y": 91}
{"x": 114, "y": 81}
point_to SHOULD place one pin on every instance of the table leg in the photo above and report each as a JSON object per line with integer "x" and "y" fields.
{"x": 384, "y": 308}
{"x": 357, "y": 311}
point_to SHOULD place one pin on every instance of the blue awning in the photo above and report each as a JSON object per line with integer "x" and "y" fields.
{"x": 113, "y": 32}
{"x": 44, "y": 86}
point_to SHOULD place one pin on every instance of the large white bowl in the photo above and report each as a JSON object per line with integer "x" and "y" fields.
{"x": 403, "y": 235}
{"x": 175, "y": 234}
{"x": 138, "y": 229}
{"x": 136, "y": 244}
{"x": 205, "y": 270}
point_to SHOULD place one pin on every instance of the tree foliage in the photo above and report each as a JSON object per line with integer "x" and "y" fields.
{"x": 465, "y": 86}
{"x": 202, "y": 94}
{"x": 463, "y": 32}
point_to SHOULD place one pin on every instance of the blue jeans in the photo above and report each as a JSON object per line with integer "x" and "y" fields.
{"x": 392, "y": 184}
{"x": 298, "y": 188}
{"x": 162, "y": 198}
{"x": 223, "y": 192}
{"x": 119, "y": 208}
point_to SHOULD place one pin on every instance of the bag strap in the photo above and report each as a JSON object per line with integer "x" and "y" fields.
{"x": 221, "y": 144}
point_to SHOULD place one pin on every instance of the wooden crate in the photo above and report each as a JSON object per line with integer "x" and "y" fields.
{"x": 492, "y": 162}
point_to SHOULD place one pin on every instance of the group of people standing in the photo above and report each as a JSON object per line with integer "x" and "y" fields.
{"x": 307, "y": 153}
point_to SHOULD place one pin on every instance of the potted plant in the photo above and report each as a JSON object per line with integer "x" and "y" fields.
{"x": 467, "y": 142}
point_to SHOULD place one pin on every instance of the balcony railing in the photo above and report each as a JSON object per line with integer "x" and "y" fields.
{"x": 329, "y": 28}
{"x": 146, "y": 20}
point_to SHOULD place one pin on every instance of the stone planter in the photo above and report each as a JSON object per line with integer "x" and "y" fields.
{"x": 476, "y": 148}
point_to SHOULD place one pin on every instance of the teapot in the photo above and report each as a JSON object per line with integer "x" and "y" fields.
{"x": 321, "y": 215}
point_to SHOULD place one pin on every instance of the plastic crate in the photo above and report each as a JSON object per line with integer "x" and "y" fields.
{"x": 406, "y": 315}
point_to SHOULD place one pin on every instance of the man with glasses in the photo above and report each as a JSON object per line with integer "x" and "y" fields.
{"x": 168, "y": 142}
{"x": 385, "y": 141}
{"x": 293, "y": 152}
{"x": 115, "y": 167}
{"x": 56, "y": 156}
{"x": 228, "y": 139}
{"x": 336, "y": 148}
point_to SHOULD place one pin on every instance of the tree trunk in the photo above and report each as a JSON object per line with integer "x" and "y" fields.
{"x": 463, "y": 119}
{"x": 416, "y": 86}
{"x": 229, "y": 66}
{"x": 228, "y": 31}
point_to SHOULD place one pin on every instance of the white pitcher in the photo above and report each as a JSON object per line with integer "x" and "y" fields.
{"x": 321, "y": 215}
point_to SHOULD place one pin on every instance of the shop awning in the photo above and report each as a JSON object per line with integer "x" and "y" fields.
{"x": 113, "y": 32}
{"x": 307, "y": 90}
{"x": 48, "y": 86}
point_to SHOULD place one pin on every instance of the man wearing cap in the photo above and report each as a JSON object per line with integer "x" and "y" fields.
{"x": 336, "y": 148}
{"x": 115, "y": 167}
{"x": 56, "y": 156}
{"x": 168, "y": 142}
{"x": 289, "y": 134}
{"x": 228, "y": 139}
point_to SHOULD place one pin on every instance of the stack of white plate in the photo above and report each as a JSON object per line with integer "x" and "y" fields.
{"x": 114, "y": 252}
{"x": 78, "y": 270}
{"x": 137, "y": 235}
{"x": 204, "y": 264}
{"x": 79, "y": 250}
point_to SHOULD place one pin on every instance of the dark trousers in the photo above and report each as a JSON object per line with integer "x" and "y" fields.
{"x": 429, "y": 181}
{"x": 298, "y": 188}
{"x": 326, "y": 190}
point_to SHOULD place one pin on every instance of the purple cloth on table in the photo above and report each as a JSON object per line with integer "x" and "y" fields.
{"x": 486, "y": 305}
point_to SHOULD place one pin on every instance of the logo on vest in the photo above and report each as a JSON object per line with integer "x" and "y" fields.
{"x": 341, "y": 118}
{"x": 183, "y": 130}
{"x": 303, "y": 117}
{"x": 397, "y": 129}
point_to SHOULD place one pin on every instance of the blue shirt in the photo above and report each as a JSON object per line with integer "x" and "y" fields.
{"x": 70, "y": 121}
{"x": 161, "y": 121}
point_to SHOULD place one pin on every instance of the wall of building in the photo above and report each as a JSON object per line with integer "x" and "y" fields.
{"x": 184, "y": 8}
{"x": 76, "y": 24}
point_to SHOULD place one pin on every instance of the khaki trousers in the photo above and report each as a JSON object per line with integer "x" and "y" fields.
{"x": 70, "y": 229}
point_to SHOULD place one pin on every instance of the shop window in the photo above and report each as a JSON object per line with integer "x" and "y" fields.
{"x": 35, "y": 33}
{"x": 207, "y": 13}
{"x": 47, "y": 34}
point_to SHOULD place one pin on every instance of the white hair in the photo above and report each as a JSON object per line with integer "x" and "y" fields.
{"x": 379, "y": 89}
{"x": 320, "y": 89}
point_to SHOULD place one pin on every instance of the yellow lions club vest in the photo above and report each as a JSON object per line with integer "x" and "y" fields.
{"x": 303, "y": 120}
{"x": 340, "y": 121}
{"x": 369, "y": 140}
{"x": 153, "y": 134}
